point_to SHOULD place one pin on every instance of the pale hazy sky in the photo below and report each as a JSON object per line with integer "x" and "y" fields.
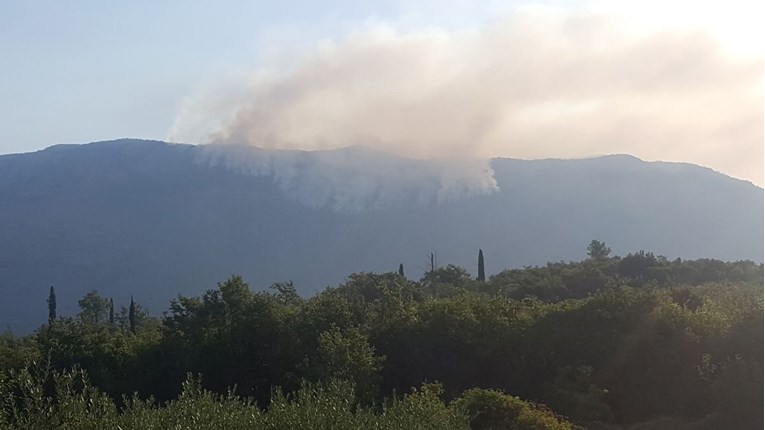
{"x": 662, "y": 80}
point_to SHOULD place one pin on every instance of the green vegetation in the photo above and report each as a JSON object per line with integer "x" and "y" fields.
{"x": 51, "y": 305}
{"x": 481, "y": 270}
{"x": 41, "y": 399}
{"x": 609, "y": 342}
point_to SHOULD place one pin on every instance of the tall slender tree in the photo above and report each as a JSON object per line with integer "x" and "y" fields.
{"x": 432, "y": 262}
{"x": 401, "y": 269}
{"x": 481, "y": 271}
{"x": 111, "y": 311}
{"x": 51, "y": 306}
{"x": 131, "y": 315}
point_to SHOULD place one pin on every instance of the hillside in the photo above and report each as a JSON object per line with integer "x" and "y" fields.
{"x": 148, "y": 219}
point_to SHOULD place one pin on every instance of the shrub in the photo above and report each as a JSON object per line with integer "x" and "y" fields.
{"x": 494, "y": 410}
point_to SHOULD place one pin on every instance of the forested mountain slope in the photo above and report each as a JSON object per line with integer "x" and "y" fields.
{"x": 154, "y": 220}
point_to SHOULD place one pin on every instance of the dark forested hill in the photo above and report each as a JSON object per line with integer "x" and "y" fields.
{"x": 153, "y": 220}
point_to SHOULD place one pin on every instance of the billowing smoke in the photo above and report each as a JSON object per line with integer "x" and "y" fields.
{"x": 538, "y": 84}
{"x": 356, "y": 179}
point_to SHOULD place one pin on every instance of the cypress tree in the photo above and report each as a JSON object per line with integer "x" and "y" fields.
{"x": 401, "y": 269}
{"x": 51, "y": 306}
{"x": 131, "y": 315}
{"x": 432, "y": 262}
{"x": 481, "y": 272}
{"x": 111, "y": 311}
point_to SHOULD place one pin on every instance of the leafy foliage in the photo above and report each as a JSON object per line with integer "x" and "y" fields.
{"x": 494, "y": 410}
{"x": 37, "y": 398}
{"x": 636, "y": 342}
{"x": 598, "y": 250}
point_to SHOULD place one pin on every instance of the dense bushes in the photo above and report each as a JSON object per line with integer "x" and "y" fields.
{"x": 39, "y": 399}
{"x": 602, "y": 342}
{"x": 493, "y": 410}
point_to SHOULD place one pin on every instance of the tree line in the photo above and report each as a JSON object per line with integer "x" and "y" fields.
{"x": 609, "y": 342}
{"x": 97, "y": 310}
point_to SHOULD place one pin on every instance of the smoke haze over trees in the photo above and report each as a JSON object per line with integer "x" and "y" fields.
{"x": 353, "y": 224}
{"x": 157, "y": 220}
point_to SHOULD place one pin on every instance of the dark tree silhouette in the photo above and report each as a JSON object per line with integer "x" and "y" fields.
{"x": 481, "y": 271}
{"x": 51, "y": 306}
{"x": 131, "y": 315}
{"x": 401, "y": 269}
{"x": 111, "y": 311}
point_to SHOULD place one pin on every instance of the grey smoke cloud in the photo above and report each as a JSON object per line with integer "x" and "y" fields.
{"x": 537, "y": 84}
{"x": 357, "y": 179}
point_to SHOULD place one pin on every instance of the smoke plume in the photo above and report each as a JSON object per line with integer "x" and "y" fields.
{"x": 356, "y": 179}
{"x": 537, "y": 84}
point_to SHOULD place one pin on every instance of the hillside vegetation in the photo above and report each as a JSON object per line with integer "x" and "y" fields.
{"x": 635, "y": 342}
{"x": 155, "y": 220}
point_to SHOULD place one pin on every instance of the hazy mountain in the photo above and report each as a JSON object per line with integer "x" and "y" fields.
{"x": 154, "y": 220}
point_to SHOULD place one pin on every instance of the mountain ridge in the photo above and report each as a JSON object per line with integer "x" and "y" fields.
{"x": 146, "y": 218}
{"x": 365, "y": 149}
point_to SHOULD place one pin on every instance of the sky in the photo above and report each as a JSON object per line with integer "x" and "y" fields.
{"x": 667, "y": 80}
